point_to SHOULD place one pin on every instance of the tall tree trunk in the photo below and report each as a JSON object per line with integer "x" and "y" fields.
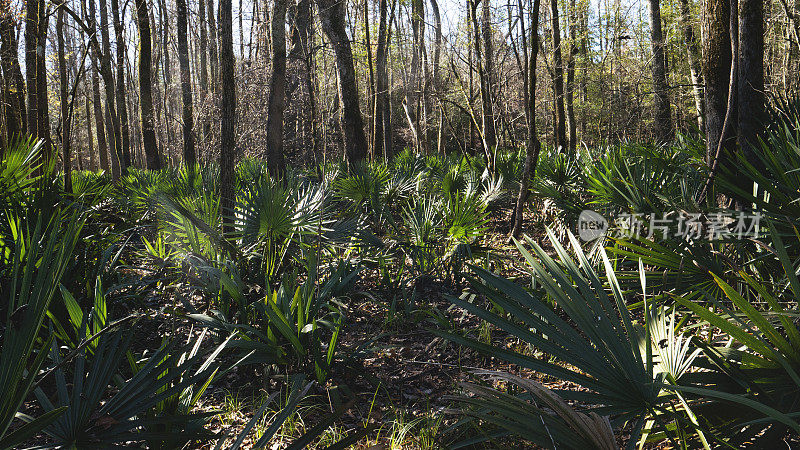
{"x": 114, "y": 133}
{"x": 484, "y": 88}
{"x": 42, "y": 109}
{"x": 415, "y": 75}
{"x": 122, "y": 109}
{"x": 569, "y": 87}
{"x": 14, "y": 86}
{"x": 146, "y": 87}
{"x": 693, "y": 57}
{"x": 532, "y": 145}
{"x": 663, "y": 118}
{"x": 333, "y": 24}
{"x": 558, "y": 80}
{"x": 371, "y": 85}
{"x": 64, "y": 97}
{"x": 277, "y": 92}
{"x": 168, "y": 100}
{"x": 301, "y": 53}
{"x": 189, "y": 156}
{"x": 31, "y": 40}
{"x": 717, "y": 71}
{"x": 214, "y": 60}
{"x": 488, "y": 84}
{"x": 227, "y": 152}
{"x": 752, "y": 103}
{"x": 89, "y": 136}
{"x": 382, "y": 133}
{"x": 102, "y": 144}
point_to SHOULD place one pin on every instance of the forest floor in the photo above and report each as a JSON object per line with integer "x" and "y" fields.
{"x": 399, "y": 375}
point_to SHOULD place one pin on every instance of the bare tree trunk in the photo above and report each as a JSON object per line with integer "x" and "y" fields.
{"x": 751, "y": 99}
{"x": 114, "y": 133}
{"x": 558, "y": 80}
{"x": 382, "y": 129}
{"x": 227, "y": 152}
{"x": 146, "y": 87}
{"x": 663, "y": 118}
{"x": 277, "y": 92}
{"x": 42, "y": 110}
{"x": 102, "y": 144}
{"x": 532, "y": 145}
{"x": 490, "y": 135}
{"x": 64, "y": 97}
{"x": 333, "y": 24}
{"x": 415, "y": 75}
{"x": 122, "y": 108}
{"x": 89, "y": 136}
{"x": 372, "y": 88}
{"x": 693, "y": 57}
{"x": 31, "y": 41}
{"x": 214, "y": 60}
{"x": 569, "y": 87}
{"x": 716, "y": 70}
{"x": 13, "y": 84}
{"x": 189, "y": 155}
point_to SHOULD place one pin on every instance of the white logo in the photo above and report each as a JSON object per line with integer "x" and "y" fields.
{"x": 591, "y": 225}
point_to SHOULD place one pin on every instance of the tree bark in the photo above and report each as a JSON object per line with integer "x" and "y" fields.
{"x": 189, "y": 155}
{"x": 488, "y": 85}
{"x": 693, "y": 57}
{"x": 147, "y": 115}
{"x": 569, "y": 86}
{"x": 532, "y": 145}
{"x": 663, "y": 118}
{"x": 114, "y": 133}
{"x": 42, "y": 109}
{"x": 89, "y": 136}
{"x": 31, "y": 39}
{"x": 64, "y": 97}
{"x": 214, "y": 61}
{"x": 122, "y": 109}
{"x": 227, "y": 153}
{"x": 560, "y": 133}
{"x": 277, "y": 92}
{"x": 716, "y": 70}
{"x": 382, "y": 122}
{"x": 333, "y": 24}
{"x": 14, "y": 85}
{"x": 751, "y": 99}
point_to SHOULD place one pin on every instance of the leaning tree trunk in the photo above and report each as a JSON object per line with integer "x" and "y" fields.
{"x": 532, "y": 145}
{"x": 560, "y": 133}
{"x": 717, "y": 71}
{"x": 333, "y": 24}
{"x": 189, "y": 156}
{"x": 663, "y": 118}
{"x": 122, "y": 109}
{"x": 693, "y": 58}
{"x": 227, "y": 152}
{"x": 147, "y": 115}
{"x": 64, "y": 98}
{"x": 277, "y": 92}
